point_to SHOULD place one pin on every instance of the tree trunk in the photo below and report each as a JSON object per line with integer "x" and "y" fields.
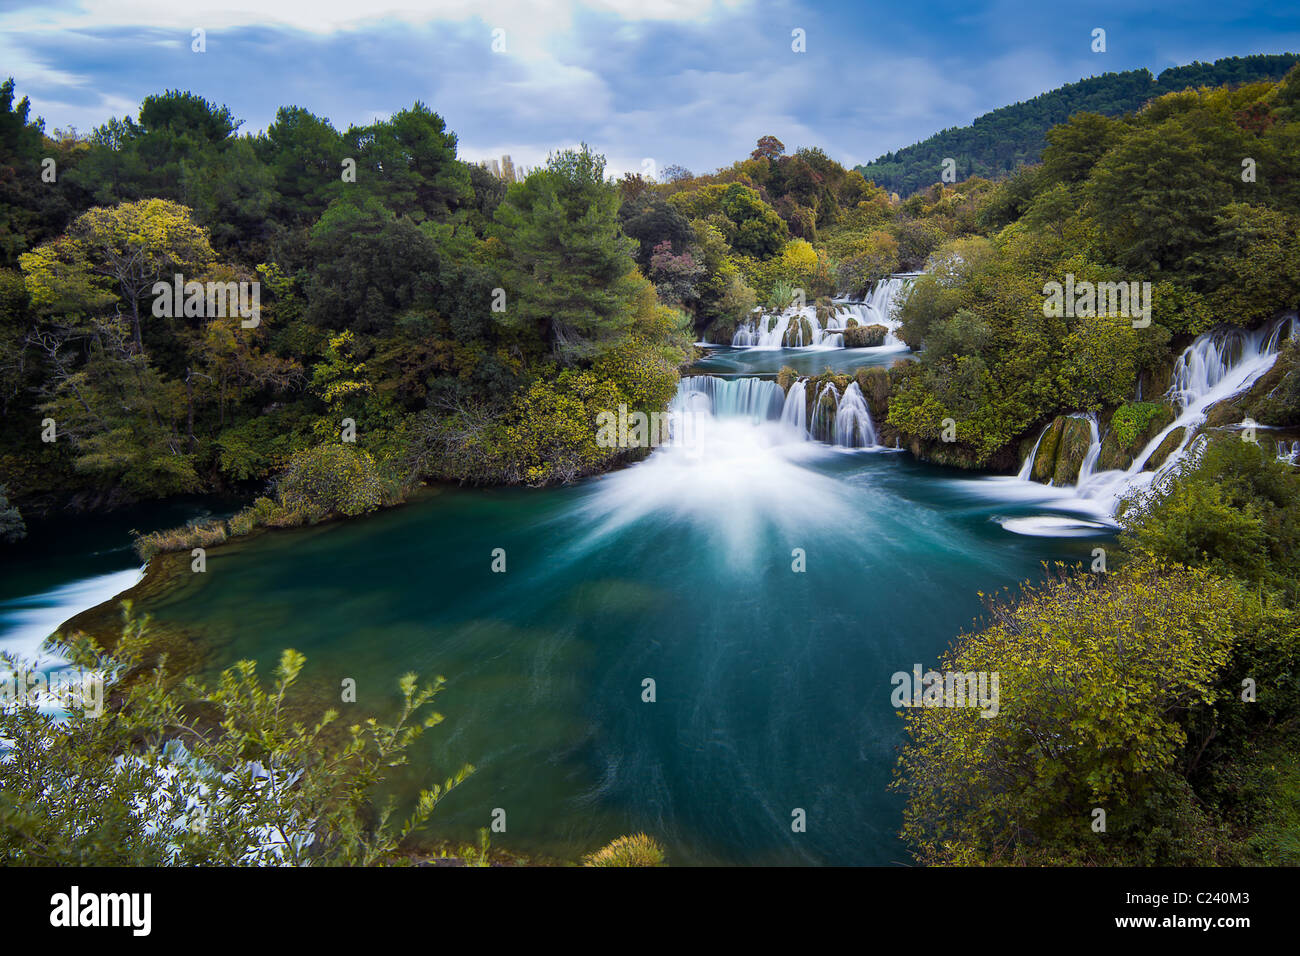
{"x": 135, "y": 324}
{"x": 189, "y": 407}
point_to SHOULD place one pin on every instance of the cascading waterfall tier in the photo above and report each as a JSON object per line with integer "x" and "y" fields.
{"x": 795, "y": 411}
{"x": 838, "y": 419}
{"x": 753, "y": 398}
{"x": 805, "y": 328}
{"x": 853, "y": 425}
{"x": 1215, "y": 367}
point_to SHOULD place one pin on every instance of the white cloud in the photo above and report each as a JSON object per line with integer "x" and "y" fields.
{"x": 532, "y": 17}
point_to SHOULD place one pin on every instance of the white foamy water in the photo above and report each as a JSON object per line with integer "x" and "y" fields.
{"x": 808, "y": 330}
{"x": 26, "y": 622}
{"x": 736, "y": 475}
{"x": 1216, "y": 366}
{"x": 842, "y": 420}
{"x": 1053, "y": 526}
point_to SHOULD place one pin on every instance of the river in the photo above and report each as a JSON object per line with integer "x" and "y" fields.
{"x": 771, "y": 683}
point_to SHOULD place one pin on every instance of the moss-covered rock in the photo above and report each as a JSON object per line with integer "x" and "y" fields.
{"x": 1044, "y": 467}
{"x": 1131, "y": 428}
{"x": 820, "y": 429}
{"x": 950, "y": 454}
{"x": 1076, "y": 439}
{"x": 798, "y": 332}
{"x": 865, "y": 336}
{"x": 873, "y": 382}
{"x": 1165, "y": 449}
{"x": 1062, "y": 450}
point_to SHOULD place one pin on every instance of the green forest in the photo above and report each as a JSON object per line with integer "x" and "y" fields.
{"x": 997, "y": 142}
{"x": 422, "y": 320}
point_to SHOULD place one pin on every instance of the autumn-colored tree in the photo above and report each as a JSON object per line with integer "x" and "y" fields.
{"x": 769, "y": 147}
{"x": 117, "y": 252}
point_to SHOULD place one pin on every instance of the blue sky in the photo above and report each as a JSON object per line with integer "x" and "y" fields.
{"x": 691, "y": 82}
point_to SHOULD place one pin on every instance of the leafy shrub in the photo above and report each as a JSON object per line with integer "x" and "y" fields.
{"x": 1097, "y": 676}
{"x": 256, "y": 515}
{"x": 1132, "y": 420}
{"x": 331, "y": 479}
{"x": 1235, "y": 510}
{"x": 178, "y": 773}
{"x": 12, "y": 526}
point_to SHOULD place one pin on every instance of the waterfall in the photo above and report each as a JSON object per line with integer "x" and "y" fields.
{"x": 853, "y": 425}
{"x": 769, "y": 331}
{"x": 1027, "y": 469}
{"x": 822, "y": 426}
{"x": 1216, "y": 366}
{"x": 879, "y": 305}
{"x": 838, "y": 419}
{"x": 806, "y": 329}
{"x": 1094, "y": 450}
{"x": 753, "y": 398}
{"x": 843, "y": 420}
{"x": 795, "y": 412}
{"x": 26, "y": 622}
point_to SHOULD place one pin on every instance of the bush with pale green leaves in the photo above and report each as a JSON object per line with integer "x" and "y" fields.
{"x": 179, "y": 773}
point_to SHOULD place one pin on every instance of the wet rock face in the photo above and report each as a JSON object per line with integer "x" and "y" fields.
{"x": 1172, "y": 441}
{"x": 1045, "y": 459}
{"x": 874, "y": 384}
{"x": 865, "y": 336}
{"x": 1062, "y": 451}
{"x": 1076, "y": 438}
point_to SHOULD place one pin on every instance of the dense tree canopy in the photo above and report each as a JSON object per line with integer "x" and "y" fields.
{"x": 997, "y": 142}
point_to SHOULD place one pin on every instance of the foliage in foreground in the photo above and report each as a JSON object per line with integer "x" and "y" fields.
{"x": 1166, "y": 694}
{"x": 636, "y": 849}
{"x": 178, "y": 773}
{"x": 1234, "y": 511}
{"x": 321, "y": 482}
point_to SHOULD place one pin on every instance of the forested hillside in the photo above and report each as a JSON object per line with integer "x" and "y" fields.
{"x": 997, "y": 142}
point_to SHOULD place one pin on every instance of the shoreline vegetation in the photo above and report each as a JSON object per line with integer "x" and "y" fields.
{"x": 432, "y": 317}
{"x": 430, "y": 322}
{"x": 242, "y": 771}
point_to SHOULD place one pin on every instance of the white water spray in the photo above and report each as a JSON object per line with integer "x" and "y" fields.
{"x": 1216, "y": 366}
{"x": 804, "y": 328}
